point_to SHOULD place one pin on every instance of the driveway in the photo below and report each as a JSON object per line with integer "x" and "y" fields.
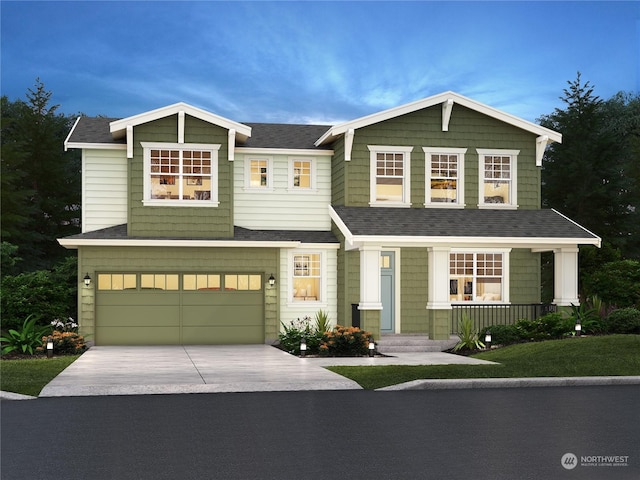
{"x": 144, "y": 370}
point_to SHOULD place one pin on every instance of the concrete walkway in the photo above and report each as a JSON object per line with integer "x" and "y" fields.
{"x": 144, "y": 370}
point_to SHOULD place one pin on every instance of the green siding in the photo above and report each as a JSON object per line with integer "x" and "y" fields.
{"x": 413, "y": 290}
{"x": 181, "y": 221}
{"x": 338, "y": 173}
{"x": 524, "y": 273}
{"x": 467, "y": 129}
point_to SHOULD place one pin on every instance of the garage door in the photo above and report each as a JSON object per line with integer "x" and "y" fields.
{"x": 175, "y": 309}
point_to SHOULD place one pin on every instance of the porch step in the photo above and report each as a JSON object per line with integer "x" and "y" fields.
{"x": 391, "y": 343}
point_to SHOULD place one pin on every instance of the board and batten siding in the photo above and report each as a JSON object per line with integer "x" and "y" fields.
{"x": 104, "y": 189}
{"x": 281, "y": 207}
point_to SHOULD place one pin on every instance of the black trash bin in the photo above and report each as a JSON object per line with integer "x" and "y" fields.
{"x": 355, "y": 315}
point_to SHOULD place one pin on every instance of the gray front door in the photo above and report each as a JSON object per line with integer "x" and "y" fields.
{"x": 387, "y": 287}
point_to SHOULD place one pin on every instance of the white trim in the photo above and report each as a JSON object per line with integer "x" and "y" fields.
{"x": 66, "y": 140}
{"x": 406, "y": 177}
{"x": 283, "y": 151}
{"x": 181, "y": 117}
{"x": 541, "y": 145}
{"x": 232, "y": 145}
{"x": 505, "y": 287}
{"x": 430, "y": 102}
{"x": 513, "y": 181}
{"x": 118, "y": 127}
{"x": 247, "y": 173}
{"x": 75, "y": 243}
{"x": 290, "y": 302}
{"x": 428, "y": 151}
{"x": 129, "y": 130}
{"x": 447, "y": 106}
{"x": 580, "y": 226}
{"x": 147, "y": 201}
{"x": 96, "y": 146}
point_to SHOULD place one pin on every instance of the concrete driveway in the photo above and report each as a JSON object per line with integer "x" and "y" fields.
{"x": 144, "y": 370}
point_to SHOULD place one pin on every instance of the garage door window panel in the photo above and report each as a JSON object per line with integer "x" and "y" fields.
{"x": 117, "y": 281}
{"x": 159, "y": 281}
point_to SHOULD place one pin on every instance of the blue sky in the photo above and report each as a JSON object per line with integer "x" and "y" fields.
{"x": 315, "y": 62}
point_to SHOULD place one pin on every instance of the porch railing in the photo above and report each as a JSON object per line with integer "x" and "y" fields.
{"x": 489, "y": 315}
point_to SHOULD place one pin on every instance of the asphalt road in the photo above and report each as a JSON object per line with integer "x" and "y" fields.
{"x": 492, "y": 434}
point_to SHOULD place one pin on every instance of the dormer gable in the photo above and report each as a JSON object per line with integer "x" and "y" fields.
{"x": 124, "y": 128}
{"x": 447, "y": 100}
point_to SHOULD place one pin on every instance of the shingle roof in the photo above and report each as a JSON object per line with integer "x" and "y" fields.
{"x": 119, "y": 232}
{"x": 263, "y": 135}
{"x": 441, "y": 222}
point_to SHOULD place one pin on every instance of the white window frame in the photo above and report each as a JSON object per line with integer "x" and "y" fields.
{"x": 460, "y": 152}
{"x": 505, "y": 286}
{"x": 321, "y": 299}
{"x": 406, "y": 177}
{"x": 247, "y": 173}
{"x": 179, "y": 202}
{"x": 513, "y": 181}
{"x": 312, "y": 181}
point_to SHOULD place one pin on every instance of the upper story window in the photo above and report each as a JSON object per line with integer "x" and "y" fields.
{"x": 444, "y": 174}
{"x": 498, "y": 186}
{"x": 478, "y": 277}
{"x": 180, "y": 174}
{"x": 390, "y": 172}
{"x": 301, "y": 174}
{"x": 259, "y": 173}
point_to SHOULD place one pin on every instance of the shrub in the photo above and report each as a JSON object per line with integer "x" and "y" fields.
{"x": 624, "y": 320}
{"x": 323, "y": 324}
{"x": 295, "y": 331}
{"x": 345, "y": 342}
{"x": 617, "y": 283}
{"x": 468, "y": 336}
{"x": 25, "y": 340}
{"x": 589, "y": 317}
{"x": 64, "y": 343}
{"x": 502, "y": 334}
{"x": 549, "y": 326}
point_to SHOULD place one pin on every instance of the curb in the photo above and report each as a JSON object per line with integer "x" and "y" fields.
{"x": 15, "y": 396}
{"x": 448, "y": 384}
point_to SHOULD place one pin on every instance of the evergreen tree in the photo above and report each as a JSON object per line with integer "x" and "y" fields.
{"x": 41, "y": 191}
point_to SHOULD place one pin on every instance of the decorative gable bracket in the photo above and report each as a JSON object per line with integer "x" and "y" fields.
{"x": 348, "y": 144}
{"x": 447, "y": 106}
{"x": 541, "y": 145}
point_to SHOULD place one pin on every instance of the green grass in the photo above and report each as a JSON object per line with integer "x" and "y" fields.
{"x": 31, "y": 375}
{"x": 575, "y": 357}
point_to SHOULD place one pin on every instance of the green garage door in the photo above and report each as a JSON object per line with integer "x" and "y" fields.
{"x": 179, "y": 309}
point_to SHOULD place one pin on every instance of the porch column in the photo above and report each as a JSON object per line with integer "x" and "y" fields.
{"x": 438, "y": 279}
{"x": 566, "y": 276}
{"x": 370, "y": 295}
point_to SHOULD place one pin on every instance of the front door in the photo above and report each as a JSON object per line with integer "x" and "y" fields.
{"x": 387, "y": 287}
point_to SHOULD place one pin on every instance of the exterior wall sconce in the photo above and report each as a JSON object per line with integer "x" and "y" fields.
{"x": 372, "y": 347}
{"x": 487, "y": 339}
{"x": 578, "y": 327}
{"x": 272, "y": 280}
{"x": 49, "y": 347}
{"x": 303, "y": 347}
{"x": 87, "y": 280}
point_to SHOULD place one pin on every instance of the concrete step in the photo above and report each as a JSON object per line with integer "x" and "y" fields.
{"x": 413, "y": 343}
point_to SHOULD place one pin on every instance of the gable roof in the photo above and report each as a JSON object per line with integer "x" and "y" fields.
{"x": 284, "y": 135}
{"x": 446, "y": 98}
{"x": 458, "y": 226}
{"x": 119, "y": 127}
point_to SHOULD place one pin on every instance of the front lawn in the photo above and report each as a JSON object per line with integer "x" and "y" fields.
{"x": 29, "y": 376}
{"x": 574, "y": 357}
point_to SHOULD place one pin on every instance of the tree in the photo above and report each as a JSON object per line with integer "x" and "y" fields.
{"x": 41, "y": 190}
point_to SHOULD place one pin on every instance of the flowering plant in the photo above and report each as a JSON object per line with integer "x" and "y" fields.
{"x": 69, "y": 326}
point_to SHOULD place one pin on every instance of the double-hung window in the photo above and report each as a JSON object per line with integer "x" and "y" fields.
{"x": 306, "y": 281}
{"x": 301, "y": 174}
{"x": 259, "y": 173}
{"x": 390, "y": 172}
{"x": 478, "y": 277}
{"x": 180, "y": 174}
{"x": 444, "y": 174}
{"x": 498, "y": 170}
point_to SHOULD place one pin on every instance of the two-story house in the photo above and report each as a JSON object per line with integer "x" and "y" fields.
{"x": 200, "y": 230}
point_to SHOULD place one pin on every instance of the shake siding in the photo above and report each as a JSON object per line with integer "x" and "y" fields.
{"x": 338, "y": 173}
{"x": 524, "y": 275}
{"x": 413, "y": 288}
{"x": 282, "y": 208}
{"x": 104, "y": 189}
{"x": 200, "y": 222}
{"x": 467, "y": 129}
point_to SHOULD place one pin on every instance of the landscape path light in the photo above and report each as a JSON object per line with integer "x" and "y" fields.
{"x": 372, "y": 347}
{"x": 487, "y": 339}
{"x": 49, "y": 347}
{"x": 303, "y": 347}
{"x": 578, "y": 327}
